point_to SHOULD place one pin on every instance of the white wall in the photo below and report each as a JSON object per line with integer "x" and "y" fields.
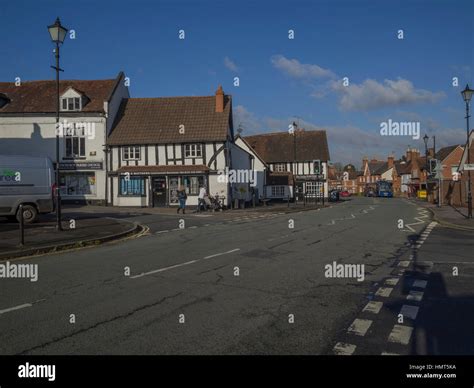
{"x": 36, "y": 136}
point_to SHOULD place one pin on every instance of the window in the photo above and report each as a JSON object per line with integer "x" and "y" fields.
{"x": 78, "y": 183}
{"x": 131, "y": 153}
{"x": 279, "y": 167}
{"x": 193, "y": 150}
{"x": 313, "y": 188}
{"x": 278, "y": 191}
{"x": 192, "y": 184}
{"x": 71, "y": 103}
{"x": 76, "y": 143}
{"x": 132, "y": 186}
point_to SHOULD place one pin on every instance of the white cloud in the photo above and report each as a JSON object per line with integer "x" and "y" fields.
{"x": 247, "y": 120}
{"x": 230, "y": 65}
{"x": 370, "y": 94}
{"x": 296, "y": 69}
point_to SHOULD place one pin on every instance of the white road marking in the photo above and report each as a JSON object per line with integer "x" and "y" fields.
{"x": 182, "y": 264}
{"x": 192, "y": 227}
{"x": 404, "y": 263}
{"x": 400, "y": 334}
{"x": 384, "y": 291}
{"x": 373, "y": 307}
{"x": 162, "y": 231}
{"x": 409, "y": 311}
{"x": 21, "y": 306}
{"x": 359, "y": 327}
{"x": 389, "y": 354}
{"x": 223, "y": 253}
{"x": 163, "y": 269}
{"x": 343, "y": 349}
{"x": 392, "y": 281}
{"x": 417, "y": 296}
{"x": 420, "y": 283}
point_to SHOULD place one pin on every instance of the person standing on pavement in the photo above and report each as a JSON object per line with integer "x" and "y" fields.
{"x": 201, "y": 201}
{"x": 182, "y": 197}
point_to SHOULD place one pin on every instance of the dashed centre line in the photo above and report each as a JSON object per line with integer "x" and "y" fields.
{"x": 181, "y": 264}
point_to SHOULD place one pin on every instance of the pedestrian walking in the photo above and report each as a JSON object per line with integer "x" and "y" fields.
{"x": 182, "y": 197}
{"x": 201, "y": 200}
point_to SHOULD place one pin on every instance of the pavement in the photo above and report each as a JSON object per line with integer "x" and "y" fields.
{"x": 450, "y": 216}
{"x": 244, "y": 285}
{"x": 79, "y": 230}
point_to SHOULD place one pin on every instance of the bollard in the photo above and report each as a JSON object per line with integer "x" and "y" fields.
{"x": 22, "y": 226}
{"x": 288, "y": 199}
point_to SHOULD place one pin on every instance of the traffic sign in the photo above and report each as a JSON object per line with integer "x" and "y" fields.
{"x": 468, "y": 167}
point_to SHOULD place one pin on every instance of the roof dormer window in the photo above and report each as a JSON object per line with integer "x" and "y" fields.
{"x": 71, "y": 104}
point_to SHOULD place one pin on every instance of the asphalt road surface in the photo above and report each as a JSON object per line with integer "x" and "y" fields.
{"x": 238, "y": 286}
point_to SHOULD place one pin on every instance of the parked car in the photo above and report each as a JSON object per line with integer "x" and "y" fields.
{"x": 333, "y": 195}
{"x": 29, "y": 181}
{"x": 370, "y": 193}
{"x": 345, "y": 193}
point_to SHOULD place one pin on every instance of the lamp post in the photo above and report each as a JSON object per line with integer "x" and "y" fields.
{"x": 467, "y": 95}
{"x": 57, "y": 33}
{"x": 425, "y": 139}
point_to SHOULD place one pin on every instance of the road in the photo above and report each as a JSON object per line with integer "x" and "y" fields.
{"x": 227, "y": 286}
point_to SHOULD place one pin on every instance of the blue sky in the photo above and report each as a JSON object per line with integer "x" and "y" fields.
{"x": 406, "y": 79}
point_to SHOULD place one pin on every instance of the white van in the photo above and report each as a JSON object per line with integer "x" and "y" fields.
{"x": 29, "y": 181}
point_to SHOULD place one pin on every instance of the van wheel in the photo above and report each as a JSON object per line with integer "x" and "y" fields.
{"x": 30, "y": 214}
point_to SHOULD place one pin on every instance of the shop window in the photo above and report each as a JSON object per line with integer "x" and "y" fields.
{"x": 278, "y": 191}
{"x": 192, "y": 184}
{"x": 132, "y": 186}
{"x": 78, "y": 183}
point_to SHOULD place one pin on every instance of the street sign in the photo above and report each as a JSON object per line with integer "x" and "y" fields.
{"x": 469, "y": 167}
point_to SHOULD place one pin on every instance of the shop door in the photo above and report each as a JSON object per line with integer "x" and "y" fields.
{"x": 159, "y": 191}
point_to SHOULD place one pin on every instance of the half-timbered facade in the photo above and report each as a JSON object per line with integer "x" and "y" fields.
{"x": 160, "y": 144}
{"x": 293, "y": 155}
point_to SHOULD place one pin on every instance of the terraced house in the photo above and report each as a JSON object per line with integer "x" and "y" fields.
{"x": 159, "y": 144}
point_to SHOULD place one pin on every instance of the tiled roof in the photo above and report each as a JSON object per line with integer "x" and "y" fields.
{"x": 402, "y": 167}
{"x": 164, "y": 169}
{"x": 40, "y": 96}
{"x": 374, "y": 166}
{"x": 444, "y": 152}
{"x": 279, "y": 147}
{"x": 158, "y": 120}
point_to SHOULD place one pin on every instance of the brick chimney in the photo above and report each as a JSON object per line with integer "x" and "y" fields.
{"x": 390, "y": 161}
{"x": 219, "y": 100}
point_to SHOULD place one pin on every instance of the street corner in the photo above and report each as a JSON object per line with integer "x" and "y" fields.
{"x": 43, "y": 237}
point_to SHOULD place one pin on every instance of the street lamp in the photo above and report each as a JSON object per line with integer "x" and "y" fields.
{"x": 467, "y": 95}
{"x": 425, "y": 139}
{"x": 57, "y": 33}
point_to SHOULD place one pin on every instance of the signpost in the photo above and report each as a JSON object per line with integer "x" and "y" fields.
{"x": 469, "y": 167}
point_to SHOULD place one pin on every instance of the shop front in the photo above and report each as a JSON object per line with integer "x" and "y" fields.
{"x": 80, "y": 182}
{"x": 157, "y": 186}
